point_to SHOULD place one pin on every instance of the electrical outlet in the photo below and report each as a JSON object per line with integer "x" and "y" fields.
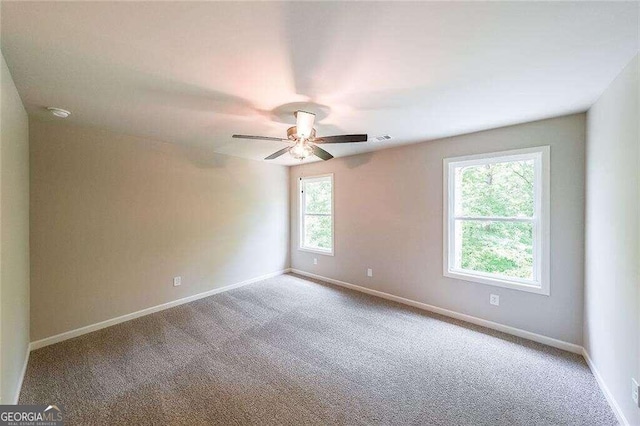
{"x": 634, "y": 391}
{"x": 494, "y": 299}
{"x": 315, "y": 261}
{"x": 369, "y": 272}
{"x": 177, "y": 281}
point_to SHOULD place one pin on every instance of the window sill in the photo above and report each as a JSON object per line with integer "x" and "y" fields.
{"x": 497, "y": 282}
{"x": 317, "y": 251}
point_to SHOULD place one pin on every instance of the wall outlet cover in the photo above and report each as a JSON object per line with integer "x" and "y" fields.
{"x": 315, "y": 261}
{"x": 177, "y": 281}
{"x": 634, "y": 391}
{"x": 494, "y": 299}
{"x": 369, "y": 272}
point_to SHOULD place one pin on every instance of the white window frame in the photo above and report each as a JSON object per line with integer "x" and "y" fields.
{"x": 540, "y": 220}
{"x": 302, "y": 214}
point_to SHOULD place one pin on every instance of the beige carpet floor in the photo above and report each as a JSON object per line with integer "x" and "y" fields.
{"x": 288, "y": 350}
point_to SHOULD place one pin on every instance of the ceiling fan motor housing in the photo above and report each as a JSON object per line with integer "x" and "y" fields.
{"x": 292, "y": 133}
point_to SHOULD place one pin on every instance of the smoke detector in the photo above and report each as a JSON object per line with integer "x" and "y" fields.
{"x": 59, "y": 112}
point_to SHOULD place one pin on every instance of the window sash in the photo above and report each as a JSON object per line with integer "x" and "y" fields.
{"x": 459, "y": 166}
{"x": 539, "y": 220}
{"x": 535, "y": 245}
{"x": 536, "y": 206}
{"x": 304, "y": 213}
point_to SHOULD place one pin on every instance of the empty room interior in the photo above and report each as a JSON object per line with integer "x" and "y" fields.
{"x": 351, "y": 213}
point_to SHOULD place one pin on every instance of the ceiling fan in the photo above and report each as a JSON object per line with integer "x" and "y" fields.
{"x": 303, "y": 139}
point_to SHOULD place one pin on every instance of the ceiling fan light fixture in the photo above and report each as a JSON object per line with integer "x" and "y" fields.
{"x": 59, "y": 112}
{"x": 300, "y": 151}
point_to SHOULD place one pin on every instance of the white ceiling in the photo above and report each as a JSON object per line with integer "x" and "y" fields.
{"x": 195, "y": 73}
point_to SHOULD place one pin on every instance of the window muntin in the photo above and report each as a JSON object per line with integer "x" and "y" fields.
{"x": 496, "y": 219}
{"x": 316, "y": 214}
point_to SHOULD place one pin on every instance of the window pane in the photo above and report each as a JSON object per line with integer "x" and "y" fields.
{"x": 317, "y": 232}
{"x": 318, "y": 196}
{"x": 502, "y": 248}
{"x": 498, "y": 189}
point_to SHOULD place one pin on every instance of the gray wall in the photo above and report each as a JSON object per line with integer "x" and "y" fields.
{"x": 612, "y": 301}
{"x": 388, "y": 217}
{"x": 114, "y": 218}
{"x": 14, "y": 237}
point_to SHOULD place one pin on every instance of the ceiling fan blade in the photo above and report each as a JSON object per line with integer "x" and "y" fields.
{"x": 261, "y": 138}
{"x": 341, "y": 139}
{"x": 304, "y": 124}
{"x": 277, "y": 153}
{"x": 321, "y": 153}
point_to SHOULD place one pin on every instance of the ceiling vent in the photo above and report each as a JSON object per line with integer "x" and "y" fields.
{"x": 382, "y": 138}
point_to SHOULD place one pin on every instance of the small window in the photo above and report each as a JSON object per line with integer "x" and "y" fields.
{"x": 316, "y": 214}
{"x": 496, "y": 219}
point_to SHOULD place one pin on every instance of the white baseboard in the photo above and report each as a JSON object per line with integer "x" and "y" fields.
{"x": 549, "y": 341}
{"x": 605, "y": 390}
{"x": 16, "y": 398}
{"x": 113, "y": 321}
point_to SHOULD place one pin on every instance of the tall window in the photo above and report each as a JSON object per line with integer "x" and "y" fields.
{"x": 496, "y": 219}
{"x": 316, "y": 214}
